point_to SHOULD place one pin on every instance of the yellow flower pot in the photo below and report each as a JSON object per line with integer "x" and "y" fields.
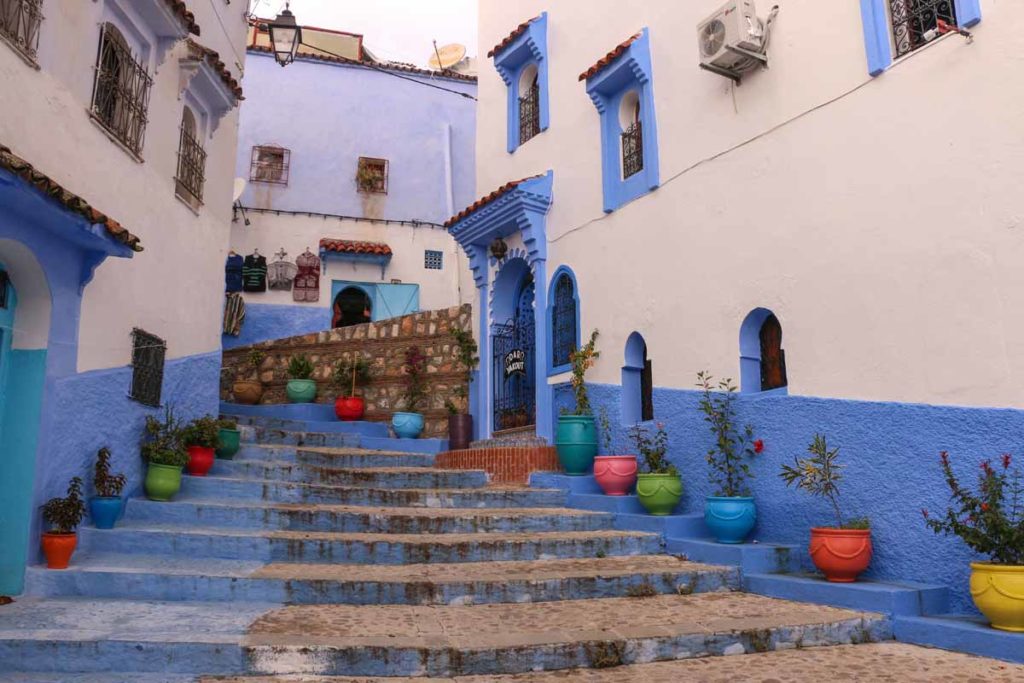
{"x": 998, "y": 591}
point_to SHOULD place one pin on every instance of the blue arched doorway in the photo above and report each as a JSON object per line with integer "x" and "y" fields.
{"x": 513, "y": 339}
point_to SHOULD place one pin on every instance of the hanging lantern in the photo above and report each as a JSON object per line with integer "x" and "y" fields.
{"x": 499, "y": 248}
{"x": 285, "y": 36}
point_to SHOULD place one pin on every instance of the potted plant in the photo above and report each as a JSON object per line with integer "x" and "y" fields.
{"x": 659, "y": 487}
{"x": 991, "y": 522}
{"x": 615, "y": 474}
{"x": 201, "y": 437}
{"x": 349, "y": 373}
{"x": 250, "y": 391}
{"x": 409, "y": 425}
{"x": 460, "y": 422}
{"x": 63, "y": 515}
{"x": 301, "y": 387}
{"x": 841, "y": 552}
{"x": 166, "y": 456}
{"x": 229, "y": 438}
{"x": 106, "y": 506}
{"x": 576, "y": 435}
{"x": 730, "y": 514}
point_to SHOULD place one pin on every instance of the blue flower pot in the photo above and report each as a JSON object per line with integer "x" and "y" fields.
{"x": 105, "y": 511}
{"x": 407, "y": 425}
{"x": 730, "y": 520}
{"x": 576, "y": 441}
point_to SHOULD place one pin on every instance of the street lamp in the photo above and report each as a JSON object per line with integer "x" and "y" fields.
{"x": 285, "y": 36}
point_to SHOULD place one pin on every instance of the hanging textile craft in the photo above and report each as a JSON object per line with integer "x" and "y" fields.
{"x": 254, "y": 273}
{"x": 281, "y": 272}
{"x": 234, "y": 314}
{"x": 307, "y": 281}
{"x": 233, "y": 273}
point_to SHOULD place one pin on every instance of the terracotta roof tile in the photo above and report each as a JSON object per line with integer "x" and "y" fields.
{"x": 354, "y": 247}
{"x": 507, "y": 40}
{"x": 610, "y": 57}
{"x": 52, "y": 189}
{"x": 213, "y": 59}
{"x": 376, "y": 65}
{"x": 487, "y": 199}
{"x": 183, "y": 13}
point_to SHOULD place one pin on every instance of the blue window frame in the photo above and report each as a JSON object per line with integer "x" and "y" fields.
{"x": 881, "y": 32}
{"x": 563, "y": 320}
{"x": 623, "y": 92}
{"x": 523, "y": 65}
{"x": 433, "y": 260}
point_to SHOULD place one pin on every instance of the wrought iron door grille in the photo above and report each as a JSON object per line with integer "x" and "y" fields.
{"x": 632, "y": 150}
{"x": 4, "y": 282}
{"x": 148, "y": 353}
{"x": 564, "y": 322}
{"x": 191, "y": 164}
{"x": 529, "y": 114}
{"x": 270, "y": 165}
{"x": 120, "y": 93}
{"x": 19, "y": 24}
{"x": 911, "y": 19}
{"x": 514, "y": 396}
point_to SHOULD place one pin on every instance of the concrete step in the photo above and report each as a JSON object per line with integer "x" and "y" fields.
{"x": 225, "y": 488}
{"x": 319, "y": 423}
{"x": 331, "y": 457}
{"x": 902, "y": 599}
{"x": 510, "y": 638}
{"x": 755, "y": 558}
{"x": 375, "y": 477}
{"x": 280, "y": 437}
{"x": 145, "y": 577}
{"x": 355, "y": 518}
{"x": 964, "y": 634}
{"x": 319, "y": 546}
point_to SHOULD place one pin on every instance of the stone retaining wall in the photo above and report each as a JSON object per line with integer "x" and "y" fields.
{"x": 383, "y": 344}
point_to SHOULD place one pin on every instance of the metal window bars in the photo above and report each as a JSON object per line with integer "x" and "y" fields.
{"x": 120, "y": 93}
{"x": 529, "y": 114}
{"x": 19, "y": 24}
{"x": 270, "y": 164}
{"x": 563, "y": 322}
{"x": 372, "y": 175}
{"x": 632, "y": 150}
{"x": 148, "y": 354}
{"x": 433, "y": 260}
{"x": 191, "y": 164}
{"x": 913, "y": 19}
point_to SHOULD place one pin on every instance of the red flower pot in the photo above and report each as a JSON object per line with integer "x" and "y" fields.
{"x": 615, "y": 474}
{"x": 58, "y": 549}
{"x": 200, "y": 460}
{"x": 841, "y": 554}
{"x": 349, "y": 408}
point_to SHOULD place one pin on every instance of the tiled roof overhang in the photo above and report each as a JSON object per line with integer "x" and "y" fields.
{"x": 610, "y": 57}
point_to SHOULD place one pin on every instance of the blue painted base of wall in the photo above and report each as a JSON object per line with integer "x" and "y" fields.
{"x": 964, "y": 634}
{"x": 264, "y": 322}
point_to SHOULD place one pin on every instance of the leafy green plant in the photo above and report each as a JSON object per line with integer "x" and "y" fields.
{"x": 583, "y": 359}
{"x": 300, "y": 367}
{"x": 414, "y": 367}
{"x": 65, "y": 514}
{"x": 227, "y": 423}
{"x": 466, "y": 355}
{"x": 107, "y": 485}
{"x": 255, "y": 358}
{"x": 990, "y": 521}
{"x": 162, "y": 441}
{"x": 352, "y": 372}
{"x": 733, "y": 447}
{"x": 819, "y": 475}
{"x": 201, "y": 432}
{"x": 652, "y": 449}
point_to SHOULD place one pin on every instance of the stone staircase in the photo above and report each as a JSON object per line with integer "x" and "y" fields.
{"x": 332, "y": 550}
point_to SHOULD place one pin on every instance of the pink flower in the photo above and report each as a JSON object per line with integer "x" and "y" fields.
{"x": 924, "y": 512}
{"x": 758, "y": 445}
{"x": 986, "y": 466}
{"x": 1007, "y": 459}
{"x": 984, "y": 507}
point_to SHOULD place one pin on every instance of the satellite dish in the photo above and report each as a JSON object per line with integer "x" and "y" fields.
{"x": 447, "y": 56}
{"x": 239, "y": 189}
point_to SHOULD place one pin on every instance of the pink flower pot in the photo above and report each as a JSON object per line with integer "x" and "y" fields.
{"x": 615, "y": 474}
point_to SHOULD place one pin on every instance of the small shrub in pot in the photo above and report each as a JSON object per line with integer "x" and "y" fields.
{"x": 63, "y": 515}
{"x": 106, "y": 506}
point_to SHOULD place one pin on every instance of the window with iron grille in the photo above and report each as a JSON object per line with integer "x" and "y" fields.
{"x": 563, "y": 321}
{"x": 632, "y": 150}
{"x": 913, "y": 19}
{"x": 19, "y": 25}
{"x": 148, "y": 352}
{"x": 529, "y": 113}
{"x": 433, "y": 260}
{"x": 270, "y": 164}
{"x": 120, "y": 92}
{"x": 4, "y": 282}
{"x": 191, "y": 161}
{"x": 372, "y": 175}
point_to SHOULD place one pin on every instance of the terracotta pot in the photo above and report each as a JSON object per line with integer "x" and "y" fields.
{"x": 841, "y": 554}
{"x": 615, "y": 474}
{"x": 349, "y": 408}
{"x": 460, "y": 432}
{"x": 247, "y": 392}
{"x": 200, "y": 460}
{"x": 998, "y": 592}
{"x": 58, "y": 549}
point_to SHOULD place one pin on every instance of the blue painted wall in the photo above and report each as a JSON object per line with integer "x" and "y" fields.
{"x": 273, "y": 321}
{"x": 892, "y": 468}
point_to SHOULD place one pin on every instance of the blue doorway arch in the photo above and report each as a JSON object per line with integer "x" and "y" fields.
{"x": 514, "y": 347}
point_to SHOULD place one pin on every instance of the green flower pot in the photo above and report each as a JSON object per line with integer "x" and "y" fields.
{"x": 659, "y": 493}
{"x": 301, "y": 390}
{"x": 228, "y": 443}
{"x": 576, "y": 442}
{"x": 162, "y": 481}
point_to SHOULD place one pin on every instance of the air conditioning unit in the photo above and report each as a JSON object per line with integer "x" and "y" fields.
{"x": 735, "y": 25}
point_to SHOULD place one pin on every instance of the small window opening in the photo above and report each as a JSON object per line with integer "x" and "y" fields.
{"x": 148, "y": 354}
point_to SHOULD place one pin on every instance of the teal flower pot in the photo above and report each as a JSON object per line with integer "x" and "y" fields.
{"x": 105, "y": 511}
{"x": 301, "y": 390}
{"x": 659, "y": 493}
{"x": 730, "y": 519}
{"x": 407, "y": 425}
{"x": 162, "y": 481}
{"x": 228, "y": 443}
{"x": 576, "y": 442}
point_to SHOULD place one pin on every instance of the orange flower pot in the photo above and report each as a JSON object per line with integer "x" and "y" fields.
{"x": 58, "y": 549}
{"x": 841, "y": 554}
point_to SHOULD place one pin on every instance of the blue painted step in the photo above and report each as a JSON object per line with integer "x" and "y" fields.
{"x": 340, "y": 440}
{"x": 903, "y": 599}
{"x": 331, "y": 457}
{"x": 358, "y": 519}
{"x": 311, "y": 546}
{"x": 391, "y": 477}
{"x": 963, "y": 634}
{"x": 333, "y": 426}
{"x": 756, "y": 558}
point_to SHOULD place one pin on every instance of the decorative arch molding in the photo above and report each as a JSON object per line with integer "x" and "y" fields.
{"x": 506, "y": 283}
{"x": 633, "y": 384}
{"x": 750, "y": 351}
{"x": 561, "y": 271}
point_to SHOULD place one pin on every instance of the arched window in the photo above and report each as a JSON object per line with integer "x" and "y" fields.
{"x": 565, "y": 319}
{"x": 120, "y": 94}
{"x": 762, "y": 358}
{"x": 352, "y": 306}
{"x": 191, "y": 174}
{"x": 637, "y": 382}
